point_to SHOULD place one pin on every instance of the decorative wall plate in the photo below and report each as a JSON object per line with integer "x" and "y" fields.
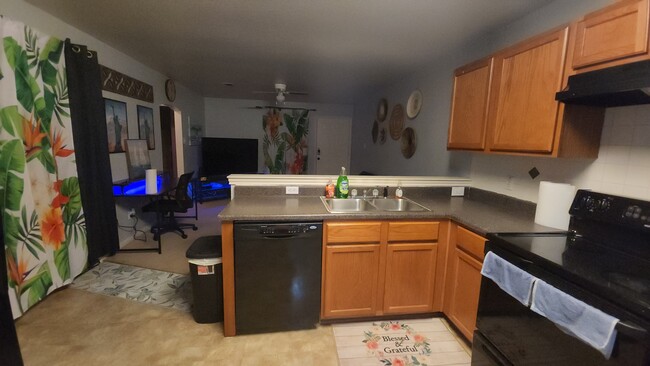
{"x": 170, "y": 90}
{"x": 375, "y": 132}
{"x": 382, "y": 110}
{"x": 409, "y": 142}
{"x": 414, "y": 104}
{"x": 396, "y": 122}
{"x": 382, "y": 135}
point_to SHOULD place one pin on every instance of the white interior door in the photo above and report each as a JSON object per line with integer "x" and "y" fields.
{"x": 333, "y": 145}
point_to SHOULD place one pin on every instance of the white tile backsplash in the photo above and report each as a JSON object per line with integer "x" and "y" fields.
{"x": 622, "y": 167}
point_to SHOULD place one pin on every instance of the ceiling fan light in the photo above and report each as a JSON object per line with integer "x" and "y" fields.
{"x": 280, "y": 98}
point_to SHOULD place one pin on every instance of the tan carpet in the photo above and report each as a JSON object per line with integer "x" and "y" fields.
{"x": 174, "y": 247}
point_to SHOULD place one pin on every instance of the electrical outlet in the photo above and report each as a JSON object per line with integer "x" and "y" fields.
{"x": 131, "y": 214}
{"x": 292, "y": 190}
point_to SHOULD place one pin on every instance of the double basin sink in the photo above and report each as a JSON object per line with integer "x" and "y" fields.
{"x": 347, "y": 205}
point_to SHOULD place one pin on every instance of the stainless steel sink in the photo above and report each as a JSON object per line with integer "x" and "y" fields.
{"x": 347, "y": 205}
{"x": 396, "y": 204}
{"x": 342, "y": 205}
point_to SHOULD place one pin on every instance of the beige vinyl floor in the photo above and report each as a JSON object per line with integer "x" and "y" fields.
{"x": 75, "y": 327}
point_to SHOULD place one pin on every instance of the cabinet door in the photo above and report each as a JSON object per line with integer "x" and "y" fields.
{"x": 523, "y": 113}
{"x": 469, "y": 103}
{"x": 350, "y": 282}
{"x": 410, "y": 278}
{"x": 466, "y": 288}
{"x": 616, "y": 32}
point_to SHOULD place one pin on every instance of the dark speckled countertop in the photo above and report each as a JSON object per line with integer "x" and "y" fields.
{"x": 480, "y": 211}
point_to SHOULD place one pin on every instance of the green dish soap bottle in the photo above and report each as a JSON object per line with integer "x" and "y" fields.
{"x": 342, "y": 185}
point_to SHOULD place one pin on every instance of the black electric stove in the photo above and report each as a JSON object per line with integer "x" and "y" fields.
{"x": 603, "y": 260}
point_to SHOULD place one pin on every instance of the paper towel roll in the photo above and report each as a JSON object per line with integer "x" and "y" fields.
{"x": 151, "y": 180}
{"x": 553, "y": 203}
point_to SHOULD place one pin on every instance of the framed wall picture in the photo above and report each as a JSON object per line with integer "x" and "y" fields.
{"x": 137, "y": 158}
{"x": 145, "y": 126}
{"x": 116, "y": 124}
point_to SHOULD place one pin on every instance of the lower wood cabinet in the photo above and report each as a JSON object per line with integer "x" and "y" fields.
{"x": 372, "y": 268}
{"x": 464, "y": 279}
{"x": 351, "y": 280}
{"x": 410, "y": 278}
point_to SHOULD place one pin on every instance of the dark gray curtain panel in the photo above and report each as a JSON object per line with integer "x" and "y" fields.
{"x": 91, "y": 146}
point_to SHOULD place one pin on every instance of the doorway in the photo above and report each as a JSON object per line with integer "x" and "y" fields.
{"x": 333, "y": 145}
{"x": 171, "y": 136}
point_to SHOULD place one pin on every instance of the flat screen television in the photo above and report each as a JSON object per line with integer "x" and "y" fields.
{"x": 223, "y": 156}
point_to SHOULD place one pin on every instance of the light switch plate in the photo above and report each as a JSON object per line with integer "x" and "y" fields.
{"x": 292, "y": 190}
{"x": 457, "y": 191}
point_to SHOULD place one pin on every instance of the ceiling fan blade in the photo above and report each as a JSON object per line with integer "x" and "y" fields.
{"x": 264, "y": 92}
{"x": 296, "y": 93}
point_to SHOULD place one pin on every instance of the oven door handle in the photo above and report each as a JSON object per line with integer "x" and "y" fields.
{"x": 631, "y": 329}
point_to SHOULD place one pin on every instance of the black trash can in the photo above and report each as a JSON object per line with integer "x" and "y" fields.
{"x": 204, "y": 257}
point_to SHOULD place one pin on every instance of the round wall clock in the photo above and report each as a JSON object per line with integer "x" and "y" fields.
{"x": 170, "y": 90}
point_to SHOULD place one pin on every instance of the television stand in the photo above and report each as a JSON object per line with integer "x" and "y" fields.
{"x": 212, "y": 188}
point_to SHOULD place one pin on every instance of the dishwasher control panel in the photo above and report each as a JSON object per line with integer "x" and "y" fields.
{"x": 285, "y": 229}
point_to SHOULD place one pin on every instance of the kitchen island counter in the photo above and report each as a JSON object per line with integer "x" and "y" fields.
{"x": 480, "y": 211}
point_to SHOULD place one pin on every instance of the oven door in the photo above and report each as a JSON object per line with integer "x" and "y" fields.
{"x": 521, "y": 337}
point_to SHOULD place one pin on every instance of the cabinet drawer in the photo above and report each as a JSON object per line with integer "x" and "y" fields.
{"x": 471, "y": 243}
{"x": 353, "y": 232}
{"x": 413, "y": 231}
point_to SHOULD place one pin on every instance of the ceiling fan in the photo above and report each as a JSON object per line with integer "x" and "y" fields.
{"x": 281, "y": 92}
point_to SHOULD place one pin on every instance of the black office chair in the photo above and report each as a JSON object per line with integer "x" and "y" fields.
{"x": 177, "y": 201}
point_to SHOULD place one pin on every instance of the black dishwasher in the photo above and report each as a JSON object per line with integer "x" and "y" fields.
{"x": 277, "y": 276}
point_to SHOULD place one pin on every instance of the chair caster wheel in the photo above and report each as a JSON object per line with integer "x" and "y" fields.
{"x": 184, "y": 236}
{"x": 195, "y": 228}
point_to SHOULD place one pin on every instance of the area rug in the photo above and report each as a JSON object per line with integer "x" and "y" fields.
{"x": 418, "y": 342}
{"x": 138, "y": 284}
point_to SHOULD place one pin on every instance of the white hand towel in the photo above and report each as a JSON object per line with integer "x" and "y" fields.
{"x": 513, "y": 280}
{"x": 575, "y": 317}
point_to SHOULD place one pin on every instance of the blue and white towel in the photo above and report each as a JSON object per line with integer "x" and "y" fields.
{"x": 513, "y": 280}
{"x": 575, "y": 317}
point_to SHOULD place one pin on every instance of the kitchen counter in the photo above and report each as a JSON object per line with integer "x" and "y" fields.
{"x": 480, "y": 211}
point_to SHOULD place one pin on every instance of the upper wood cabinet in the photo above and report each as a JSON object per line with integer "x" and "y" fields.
{"x": 614, "y": 35}
{"x": 523, "y": 113}
{"x": 469, "y": 105}
{"x": 523, "y": 117}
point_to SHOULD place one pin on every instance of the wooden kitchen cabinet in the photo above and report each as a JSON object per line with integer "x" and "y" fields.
{"x": 469, "y": 105}
{"x": 523, "y": 113}
{"x": 614, "y": 35}
{"x": 463, "y": 283}
{"x": 410, "y": 278}
{"x": 372, "y": 268}
{"x": 351, "y": 280}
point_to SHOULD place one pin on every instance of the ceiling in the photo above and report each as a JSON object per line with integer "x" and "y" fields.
{"x": 333, "y": 49}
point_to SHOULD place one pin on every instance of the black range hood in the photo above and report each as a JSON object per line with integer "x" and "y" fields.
{"x": 616, "y": 86}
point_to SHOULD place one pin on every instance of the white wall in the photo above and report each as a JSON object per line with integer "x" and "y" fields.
{"x": 235, "y": 118}
{"x": 489, "y": 172}
{"x": 622, "y": 167}
{"x": 187, "y": 101}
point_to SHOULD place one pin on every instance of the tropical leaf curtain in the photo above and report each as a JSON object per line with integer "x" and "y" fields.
{"x": 285, "y": 141}
{"x": 43, "y": 220}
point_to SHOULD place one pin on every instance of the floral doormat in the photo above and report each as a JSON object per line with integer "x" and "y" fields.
{"x": 138, "y": 284}
{"x": 418, "y": 342}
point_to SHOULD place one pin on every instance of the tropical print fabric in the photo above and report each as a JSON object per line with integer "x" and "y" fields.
{"x": 44, "y": 226}
{"x": 285, "y": 141}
